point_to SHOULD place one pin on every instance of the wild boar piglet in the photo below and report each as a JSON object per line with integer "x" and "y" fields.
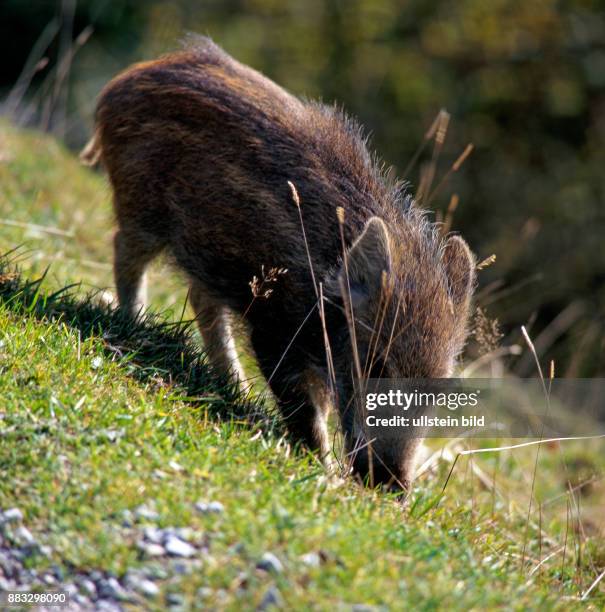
{"x": 199, "y": 150}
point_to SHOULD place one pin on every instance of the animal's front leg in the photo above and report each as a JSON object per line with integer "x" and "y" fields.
{"x": 214, "y": 323}
{"x": 305, "y": 420}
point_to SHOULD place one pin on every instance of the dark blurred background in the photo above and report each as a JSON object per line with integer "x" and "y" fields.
{"x": 524, "y": 81}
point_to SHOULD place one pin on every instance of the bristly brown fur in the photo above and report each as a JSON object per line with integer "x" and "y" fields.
{"x": 199, "y": 149}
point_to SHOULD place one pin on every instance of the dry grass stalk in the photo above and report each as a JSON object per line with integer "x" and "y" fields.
{"x": 535, "y": 471}
{"x": 449, "y": 214}
{"x": 55, "y": 231}
{"x": 428, "y": 135}
{"x": 592, "y": 586}
{"x": 494, "y": 449}
{"x": 296, "y": 199}
{"x": 327, "y": 345}
{"x": 385, "y": 297}
{"x": 454, "y": 168}
{"x": 345, "y": 289}
{"x": 257, "y": 285}
{"x": 424, "y": 189}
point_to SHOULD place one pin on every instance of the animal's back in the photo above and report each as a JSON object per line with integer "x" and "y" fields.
{"x": 199, "y": 149}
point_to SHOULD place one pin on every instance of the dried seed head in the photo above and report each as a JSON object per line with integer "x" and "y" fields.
{"x": 444, "y": 121}
{"x": 294, "y": 193}
{"x": 257, "y": 286}
{"x": 486, "y": 331}
{"x": 488, "y": 261}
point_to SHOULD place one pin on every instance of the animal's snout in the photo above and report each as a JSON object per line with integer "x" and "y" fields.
{"x": 375, "y": 469}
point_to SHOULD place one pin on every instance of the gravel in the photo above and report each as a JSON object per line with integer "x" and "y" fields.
{"x": 151, "y": 550}
{"x": 311, "y": 559}
{"x": 178, "y": 548}
{"x": 154, "y": 535}
{"x": 23, "y": 536}
{"x": 146, "y": 513}
{"x": 88, "y": 587}
{"x": 167, "y": 554}
{"x": 12, "y": 515}
{"x": 148, "y": 588}
{"x": 110, "y": 588}
{"x": 139, "y": 583}
{"x": 270, "y": 563}
{"x": 213, "y": 507}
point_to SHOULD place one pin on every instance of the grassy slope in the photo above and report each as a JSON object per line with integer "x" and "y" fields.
{"x": 91, "y": 427}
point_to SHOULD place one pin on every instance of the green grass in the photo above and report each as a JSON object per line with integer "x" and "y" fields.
{"x": 99, "y": 416}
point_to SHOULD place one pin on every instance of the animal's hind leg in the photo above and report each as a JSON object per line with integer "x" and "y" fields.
{"x": 214, "y": 323}
{"x": 132, "y": 254}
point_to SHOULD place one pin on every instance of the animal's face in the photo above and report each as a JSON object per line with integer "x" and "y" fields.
{"x": 409, "y": 296}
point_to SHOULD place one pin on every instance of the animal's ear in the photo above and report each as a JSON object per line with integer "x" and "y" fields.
{"x": 459, "y": 265}
{"x": 368, "y": 259}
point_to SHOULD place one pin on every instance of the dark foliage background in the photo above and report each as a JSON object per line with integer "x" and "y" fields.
{"x": 524, "y": 81}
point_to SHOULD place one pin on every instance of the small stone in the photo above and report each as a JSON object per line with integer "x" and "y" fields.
{"x": 153, "y": 534}
{"x": 127, "y": 518}
{"x": 311, "y": 559}
{"x": 173, "y": 465}
{"x": 23, "y": 536}
{"x": 270, "y": 563}
{"x": 5, "y": 585}
{"x": 48, "y": 580}
{"x": 149, "y": 589}
{"x": 12, "y": 515}
{"x": 96, "y": 575}
{"x": 82, "y": 600}
{"x": 174, "y": 599}
{"x": 152, "y": 550}
{"x": 88, "y": 587}
{"x": 6, "y": 563}
{"x": 96, "y": 363}
{"x": 271, "y": 598}
{"x": 142, "y": 585}
{"x": 112, "y": 589}
{"x": 145, "y": 513}
{"x": 214, "y": 507}
{"x": 183, "y": 533}
{"x": 178, "y": 548}
{"x": 111, "y": 435}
